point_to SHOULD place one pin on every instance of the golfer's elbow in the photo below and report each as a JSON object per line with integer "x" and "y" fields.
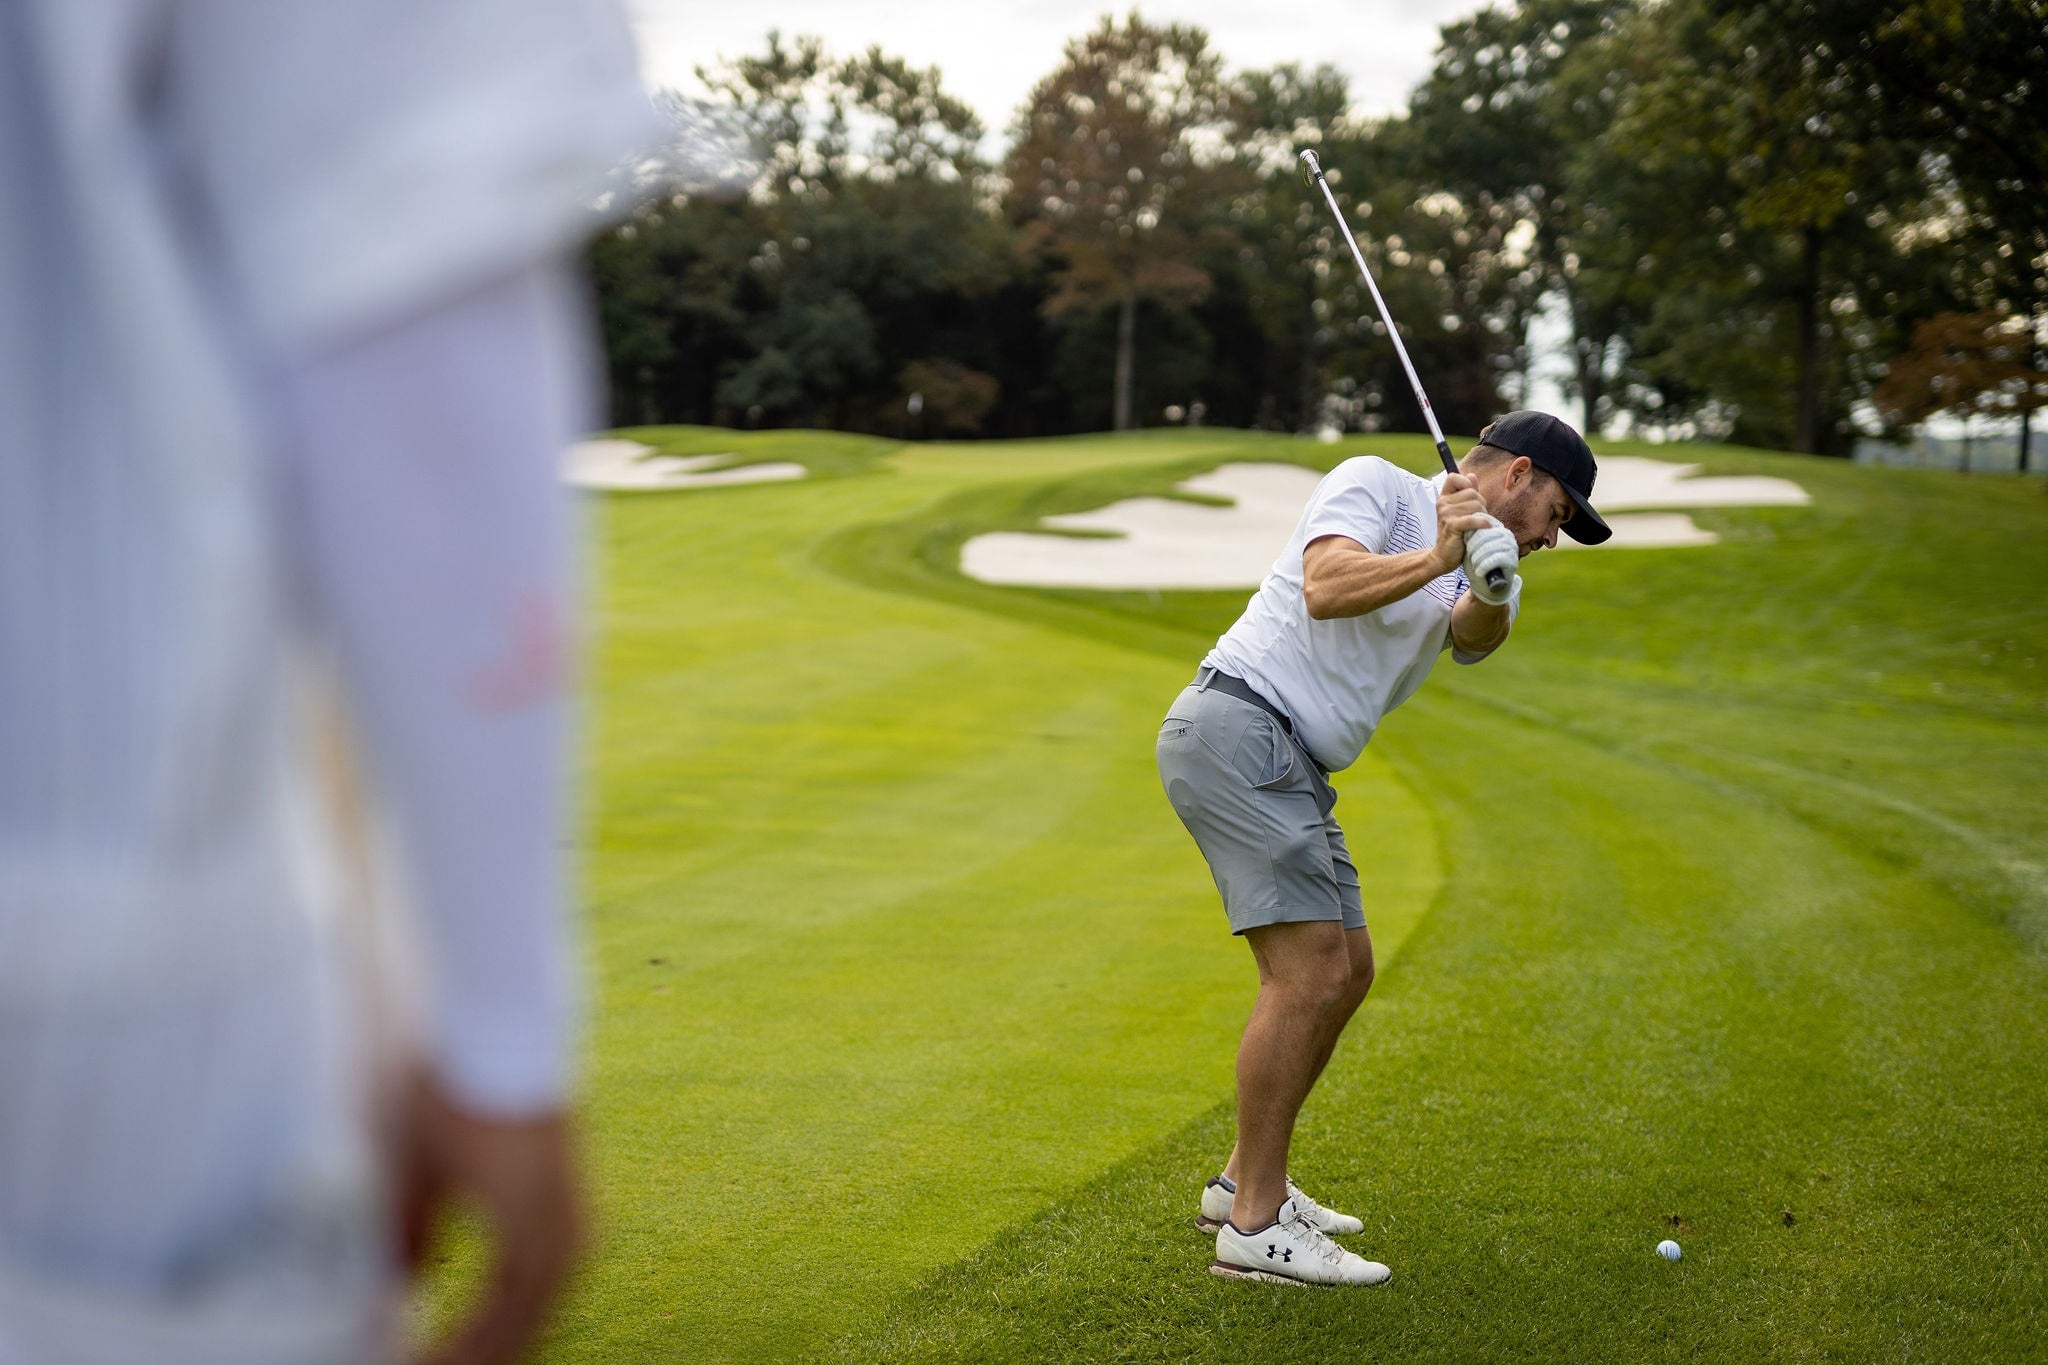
{"x": 1476, "y": 651}
{"x": 1323, "y": 598}
{"x": 1326, "y": 602}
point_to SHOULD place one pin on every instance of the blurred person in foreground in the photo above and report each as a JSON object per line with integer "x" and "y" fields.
{"x": 290, "y": 342}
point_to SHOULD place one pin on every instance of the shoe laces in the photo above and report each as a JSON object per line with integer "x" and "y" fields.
{"x": 1304, "y": 1225}
{"x": 1302, "y": 1200}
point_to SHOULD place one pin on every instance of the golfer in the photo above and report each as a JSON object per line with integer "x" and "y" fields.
{"x": 1375, "y": 583}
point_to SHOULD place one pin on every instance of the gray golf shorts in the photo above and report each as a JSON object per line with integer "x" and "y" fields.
{"x": 1260, "y": 811}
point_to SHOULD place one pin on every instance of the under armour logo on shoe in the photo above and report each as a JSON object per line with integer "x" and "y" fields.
{"x": 1275, "y": 1253}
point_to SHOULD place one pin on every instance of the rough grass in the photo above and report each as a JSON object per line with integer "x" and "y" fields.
{"x": 1716, "y": 908}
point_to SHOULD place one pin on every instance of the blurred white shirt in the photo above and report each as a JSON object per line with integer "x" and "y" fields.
{"x": 264, "y": 267}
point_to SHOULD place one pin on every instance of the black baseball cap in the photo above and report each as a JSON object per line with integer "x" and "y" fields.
{"x": 1553, "y": 447}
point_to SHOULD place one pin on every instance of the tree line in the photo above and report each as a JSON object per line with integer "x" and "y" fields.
{"x": 1771, "y": 222}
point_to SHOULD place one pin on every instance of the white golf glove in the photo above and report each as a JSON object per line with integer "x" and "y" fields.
{"x": 1490, "y": 549}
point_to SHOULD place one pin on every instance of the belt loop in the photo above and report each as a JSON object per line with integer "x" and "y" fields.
{"x": 1204, "y": 675}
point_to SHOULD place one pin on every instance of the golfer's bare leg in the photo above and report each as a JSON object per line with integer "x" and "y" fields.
{"x": 1304, "y": 983}
{"x": 1358, "y": 947}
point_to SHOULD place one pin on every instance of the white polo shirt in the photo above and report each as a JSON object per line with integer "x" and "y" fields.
{"x": 1336, "y": 678}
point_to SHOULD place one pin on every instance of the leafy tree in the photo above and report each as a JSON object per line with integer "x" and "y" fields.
{"x": 1457, "y": 284}
{"x": 1771, "y": 213}
{"x": 860, "y": 244}
{"x": 1965, "y": 82}
{"x": 675, "y": 305}
{"x": 1514, "y": 95}
{"x": 1119, "y": 152}
{"x": 1283, "y": 239}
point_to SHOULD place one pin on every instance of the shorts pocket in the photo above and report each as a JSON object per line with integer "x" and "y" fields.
{"x": 1264, "y": 755}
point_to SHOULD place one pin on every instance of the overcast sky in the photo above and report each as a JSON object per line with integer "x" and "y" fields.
{"x": 992, "y": 52}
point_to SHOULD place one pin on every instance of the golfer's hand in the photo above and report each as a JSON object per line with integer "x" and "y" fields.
{"x": 1459, "y": 509}
{"x": 520, "y": 1176}
{"x": 1488, "y": 551}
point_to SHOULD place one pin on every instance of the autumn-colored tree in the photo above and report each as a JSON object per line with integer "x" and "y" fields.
{"x": 949, "y": 398}
{"x": 1121, "y": 153}
{"x": 1967, "y": 365}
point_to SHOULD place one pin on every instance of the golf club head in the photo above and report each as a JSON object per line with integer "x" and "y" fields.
{"x": 1311, "y": 169}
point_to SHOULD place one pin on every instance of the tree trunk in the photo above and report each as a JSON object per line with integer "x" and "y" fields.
{"x": 1126, "y": 343}
{"x": 1589, "y": 356}
{"x": 1806, "y": 439}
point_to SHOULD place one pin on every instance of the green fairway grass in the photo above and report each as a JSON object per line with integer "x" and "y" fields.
{"x": 1715, "y": 907}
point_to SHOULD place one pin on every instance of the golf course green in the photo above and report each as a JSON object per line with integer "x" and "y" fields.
{"x": 1714, "y": 907}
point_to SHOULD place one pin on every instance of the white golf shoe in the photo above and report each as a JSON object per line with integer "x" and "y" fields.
{"x": 1217, "y": 1194}
{"x": 1291, "y": 1251}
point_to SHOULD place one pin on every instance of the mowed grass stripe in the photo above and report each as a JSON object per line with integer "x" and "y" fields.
{"x": 1654, "y": 998}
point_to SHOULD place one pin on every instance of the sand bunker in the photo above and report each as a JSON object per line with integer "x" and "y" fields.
{"x": 1627, "y": 482}
{"x": 1630, "y": 481}
{"x": 1161, "y": 543}
{"x": 1645, "y": 531}
{"x": 618, "y": 465}
{"x": 1158, "y": 542}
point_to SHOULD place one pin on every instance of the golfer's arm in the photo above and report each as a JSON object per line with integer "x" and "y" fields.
{"x": 1477, "y": 628}
{"x": 1340, "y": 577}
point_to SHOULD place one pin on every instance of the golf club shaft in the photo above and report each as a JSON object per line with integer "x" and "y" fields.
{"x": 1443, "y": 447}
{"x": 1496, "y": 579}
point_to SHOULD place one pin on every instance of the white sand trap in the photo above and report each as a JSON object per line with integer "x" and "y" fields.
{"x": 1644, "y": 530}
{"x": 1157, "y": 544}
{"x": 620, "y": 465}
{"x": 1628, "y": 482}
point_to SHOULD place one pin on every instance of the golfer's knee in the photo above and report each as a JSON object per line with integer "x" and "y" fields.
{"x": 1361, "y": 978}
{"x": 1318, "y": 985}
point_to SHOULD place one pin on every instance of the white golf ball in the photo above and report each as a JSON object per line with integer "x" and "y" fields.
{"x": 1668, "y": 1249}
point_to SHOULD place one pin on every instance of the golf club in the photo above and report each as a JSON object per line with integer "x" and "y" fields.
{"x": 1312, "y": 176}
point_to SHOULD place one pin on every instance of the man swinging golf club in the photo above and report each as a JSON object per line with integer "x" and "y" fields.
{"x": 1384, "y": 571}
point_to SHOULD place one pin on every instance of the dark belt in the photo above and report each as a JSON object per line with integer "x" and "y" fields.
{"x": 1232, "y": 686}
